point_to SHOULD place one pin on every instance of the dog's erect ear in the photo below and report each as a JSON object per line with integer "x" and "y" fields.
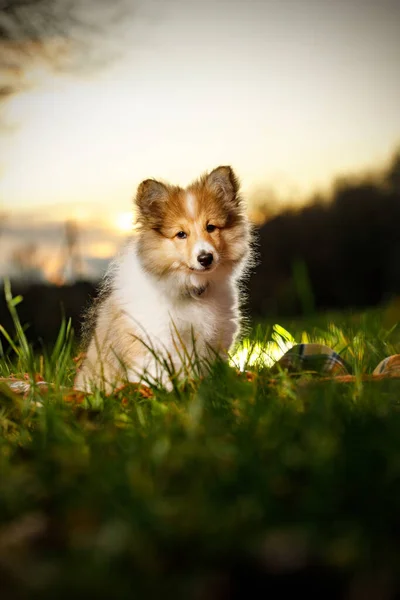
{"x": 223, "y": 182}
{"x": 151, "y": 194}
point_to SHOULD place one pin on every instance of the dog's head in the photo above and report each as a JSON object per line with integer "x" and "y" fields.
{"x": 194, "y": 231}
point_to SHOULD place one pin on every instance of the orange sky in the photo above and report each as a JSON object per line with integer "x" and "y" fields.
{"x": 290, "y": 94}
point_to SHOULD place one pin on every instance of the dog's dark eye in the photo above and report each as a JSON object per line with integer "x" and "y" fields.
{"x": 210, "y": 228}
{"x": 181, "y": 235}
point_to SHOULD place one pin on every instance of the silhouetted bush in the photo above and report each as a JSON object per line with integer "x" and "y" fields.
{"x": 44, "y": 306}
{"x": 350, "y": 249}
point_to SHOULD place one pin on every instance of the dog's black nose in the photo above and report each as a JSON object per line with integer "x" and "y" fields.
{"x": 205, "y": 259}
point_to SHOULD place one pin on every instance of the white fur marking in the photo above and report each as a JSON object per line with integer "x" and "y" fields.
{"x": 191, "y": 205}
{"x": 203, "y": 246}
{"x": 153, "y": 310}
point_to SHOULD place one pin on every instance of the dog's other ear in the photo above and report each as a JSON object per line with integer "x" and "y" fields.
{"x": 223, "y": 182}
{"x": 150, "y": 197}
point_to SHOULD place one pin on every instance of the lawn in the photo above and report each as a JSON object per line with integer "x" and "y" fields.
{"x": 234, "y": 486}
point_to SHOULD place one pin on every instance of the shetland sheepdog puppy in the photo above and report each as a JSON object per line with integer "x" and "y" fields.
{"x": 171, "y": 298}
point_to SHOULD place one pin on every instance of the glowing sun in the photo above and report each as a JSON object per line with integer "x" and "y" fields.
{"x": 124, "y": 221}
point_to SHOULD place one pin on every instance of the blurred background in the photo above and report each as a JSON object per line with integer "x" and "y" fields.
{"x": 301, "y": 98}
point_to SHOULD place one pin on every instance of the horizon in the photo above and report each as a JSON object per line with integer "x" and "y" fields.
{"x": 293, "y": 96}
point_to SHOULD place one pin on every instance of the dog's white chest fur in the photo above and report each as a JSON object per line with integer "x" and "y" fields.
{"x": 173, "y": 329}
{"x": 170, "y": 321}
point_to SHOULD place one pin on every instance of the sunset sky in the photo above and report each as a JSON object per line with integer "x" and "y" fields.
{"x": 290, "y": 93}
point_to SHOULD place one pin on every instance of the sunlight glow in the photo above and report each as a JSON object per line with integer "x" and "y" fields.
{"x": 266, "y": 354}
{"x": 124, "y": 221}
{"x": 102, "y": 249}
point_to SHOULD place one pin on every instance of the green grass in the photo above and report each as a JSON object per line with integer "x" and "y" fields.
{"x": 222, "y": 484}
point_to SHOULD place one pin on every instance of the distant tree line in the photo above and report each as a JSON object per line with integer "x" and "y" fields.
{"x": 328, "y": 255}
{"x": 337, "y": 254}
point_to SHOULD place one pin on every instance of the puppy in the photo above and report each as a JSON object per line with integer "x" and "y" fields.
{"x": 170, "y": 302}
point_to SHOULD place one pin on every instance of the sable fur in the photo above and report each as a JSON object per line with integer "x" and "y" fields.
{"x": 158, "y": 296}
